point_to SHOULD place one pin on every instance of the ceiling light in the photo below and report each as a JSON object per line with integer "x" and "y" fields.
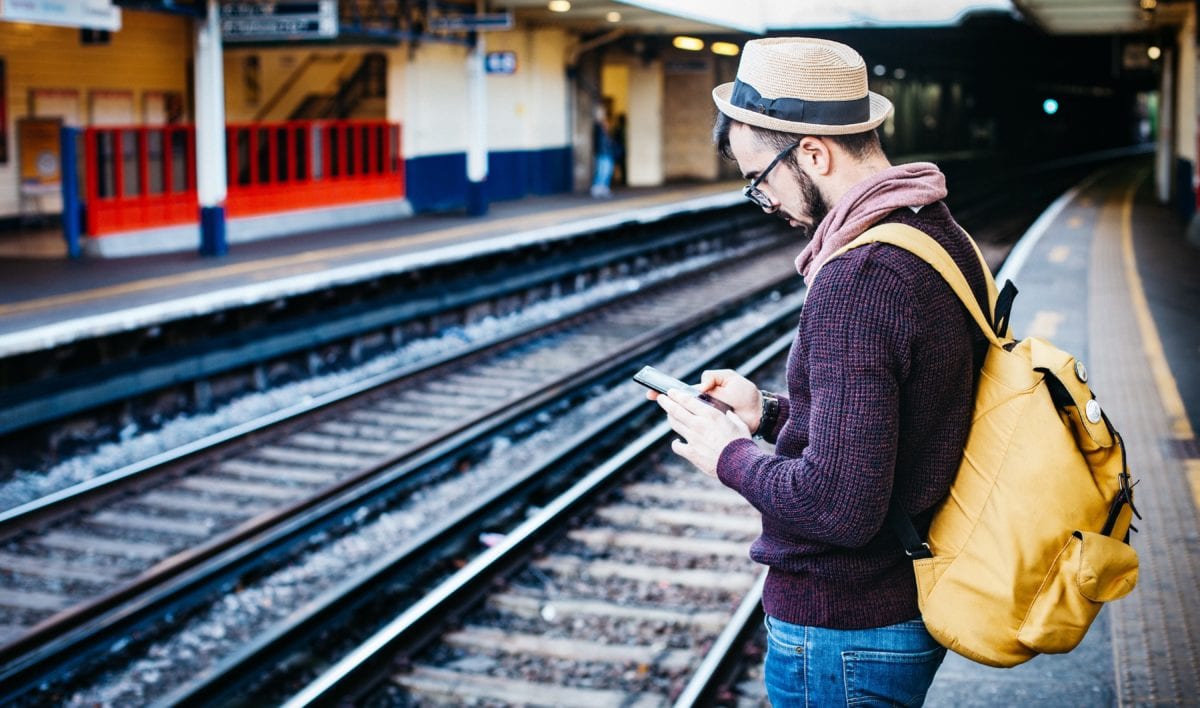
{"x": 1154, "y": 53}
{"x": 559, "y": 5}
{"x": 728, "y": 49}
{"x": 691, "y": 44}
{"x": 613, "y": 17}
{"x": 1149, "y": 4}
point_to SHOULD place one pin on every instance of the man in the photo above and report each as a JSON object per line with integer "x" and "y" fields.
{"x": 602, "y": 143}
{"x": 880, "y": 381}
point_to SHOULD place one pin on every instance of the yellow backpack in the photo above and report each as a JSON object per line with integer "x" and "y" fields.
{"x": 1032, "y": 539}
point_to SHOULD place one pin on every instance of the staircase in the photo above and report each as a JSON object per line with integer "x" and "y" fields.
{"x": 331, "y": 87}
{"x": 363, "y": 95}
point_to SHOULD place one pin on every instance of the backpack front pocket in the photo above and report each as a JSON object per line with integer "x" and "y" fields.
{"x": 1090, "y": 570}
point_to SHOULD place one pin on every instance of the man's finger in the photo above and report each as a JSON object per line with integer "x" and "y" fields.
{"x": 691, "y": 404}
{"x": 681, "y": 424}
{"x": 673, "y": 407}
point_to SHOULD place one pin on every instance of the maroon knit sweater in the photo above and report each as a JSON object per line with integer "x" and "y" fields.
{"x": 880, "y": 383}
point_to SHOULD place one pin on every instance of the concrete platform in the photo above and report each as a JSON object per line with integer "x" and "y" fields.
{"x": 1108, "y": 274}
{"x": 48, "y": 302}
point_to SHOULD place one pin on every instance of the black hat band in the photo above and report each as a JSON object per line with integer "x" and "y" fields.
{"x": 798, "y": 110}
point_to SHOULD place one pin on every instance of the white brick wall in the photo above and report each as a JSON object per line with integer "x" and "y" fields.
{"x": 687, "y": 145}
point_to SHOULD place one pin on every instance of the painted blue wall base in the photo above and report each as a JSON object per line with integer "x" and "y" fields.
{"x": 72, "y": 212}
{"x": 212, "y": 231}
{"x": 477, "y": 198}
{"x": 439, "y": 182}
{"x": 436, "y": 182}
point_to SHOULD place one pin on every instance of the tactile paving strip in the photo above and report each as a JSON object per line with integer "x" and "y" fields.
{"x": 1156, "y": 629}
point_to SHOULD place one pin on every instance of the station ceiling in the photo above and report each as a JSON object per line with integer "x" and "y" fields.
{"x": 592, "y": 15}
{"x": 758, "y": 17}
{"x": 1104, "y": 16}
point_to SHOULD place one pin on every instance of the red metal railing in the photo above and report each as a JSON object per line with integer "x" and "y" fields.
{"x": 139, "y": 177}
{"x": 143, "y": 177}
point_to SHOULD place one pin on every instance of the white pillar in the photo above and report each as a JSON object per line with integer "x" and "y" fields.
{"x": 1164, "y": 154}
{"x": 644, "y": 125}
{"x": 477, "y": 115}
{"x": 210, "y": 132}
{"x": 1187, "y": 108}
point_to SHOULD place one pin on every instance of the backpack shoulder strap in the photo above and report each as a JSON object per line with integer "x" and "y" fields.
{"x": 927, "y": 249}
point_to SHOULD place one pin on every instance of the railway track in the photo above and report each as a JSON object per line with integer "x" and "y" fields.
{"x": 632, "y": 588}
{"x": 76, "y": 399}
{"x": 619, "y": 612}
{"x": 97, "y": 567}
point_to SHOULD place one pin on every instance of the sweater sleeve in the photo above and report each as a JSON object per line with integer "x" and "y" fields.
{"x": 858, "y": 331}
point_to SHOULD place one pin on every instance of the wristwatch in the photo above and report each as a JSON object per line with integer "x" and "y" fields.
{"x": 769, "y": 415}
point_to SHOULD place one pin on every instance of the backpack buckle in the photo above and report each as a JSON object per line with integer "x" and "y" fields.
{"x": 922, "y": 552}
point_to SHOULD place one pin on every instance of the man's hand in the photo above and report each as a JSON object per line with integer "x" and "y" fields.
{"x": 705, "y": 430}
{"x": 732, "y": 389}
{"x": 737, "y": 391}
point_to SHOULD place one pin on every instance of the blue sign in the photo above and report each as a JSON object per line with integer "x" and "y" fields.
{"x": 500, "y": 63}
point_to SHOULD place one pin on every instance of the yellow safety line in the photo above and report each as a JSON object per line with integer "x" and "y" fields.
{"x": 1193, "y": 472}
{"x": 1168, "y": 389}
{"x": 308, "y": 257}
{"x": 1164, "y": 380}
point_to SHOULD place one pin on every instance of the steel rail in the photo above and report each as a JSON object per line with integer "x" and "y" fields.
{"x": 216, "y": 683}
{"x": 44, "y": 401}
{"x": 360, "y": 669}
{"x": 715, "y": 667}
{"x": 64, "y": 501}
{"x": 125, "y": 613}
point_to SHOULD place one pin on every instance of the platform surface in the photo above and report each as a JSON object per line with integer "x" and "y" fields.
{"x": 1108, "y": 275}
{"x": 45, "y": 302}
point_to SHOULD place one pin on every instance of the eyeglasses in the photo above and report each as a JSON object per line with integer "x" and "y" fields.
{"x": 753, "y": 193}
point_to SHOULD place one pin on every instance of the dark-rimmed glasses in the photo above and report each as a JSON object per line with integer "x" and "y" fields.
{"x": 753, "y": 193}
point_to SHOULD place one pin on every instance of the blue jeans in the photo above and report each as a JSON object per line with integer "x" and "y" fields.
{"x": 884, "y": 666}
{"x": 602, "y": 177}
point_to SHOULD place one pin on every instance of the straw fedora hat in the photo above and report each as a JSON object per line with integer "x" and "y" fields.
{"x": 802, "y": 85}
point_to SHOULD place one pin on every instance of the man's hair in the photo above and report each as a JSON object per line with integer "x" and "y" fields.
{"x": 859, "y": 145}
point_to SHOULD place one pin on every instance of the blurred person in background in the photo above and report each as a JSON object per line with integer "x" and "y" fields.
{"x": 605, "y": 151}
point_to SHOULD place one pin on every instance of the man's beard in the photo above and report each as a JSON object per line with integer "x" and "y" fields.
{"x": 818, "y": 208}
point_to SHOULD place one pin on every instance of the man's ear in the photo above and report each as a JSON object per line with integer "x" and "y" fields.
{"x": 815, "y": 155}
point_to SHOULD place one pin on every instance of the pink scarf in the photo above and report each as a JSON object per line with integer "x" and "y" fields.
{"x": 912, "y": 185}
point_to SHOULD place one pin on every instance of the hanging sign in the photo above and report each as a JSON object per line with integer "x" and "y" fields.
{"x": 472, "y": 23}
{"x": 89, "y": 14}
{"x": 278, "y": 21}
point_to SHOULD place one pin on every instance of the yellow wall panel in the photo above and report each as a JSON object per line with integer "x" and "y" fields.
{"x": 150, "y": 53}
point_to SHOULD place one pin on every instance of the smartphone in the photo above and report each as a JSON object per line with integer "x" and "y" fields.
{"x": 652, "y": 378}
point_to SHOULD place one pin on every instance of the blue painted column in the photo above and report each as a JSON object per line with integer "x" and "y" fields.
{"x": 68, "y": 139}
{"x": 477, "y": 152}
{"x": 211, "y": 187}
